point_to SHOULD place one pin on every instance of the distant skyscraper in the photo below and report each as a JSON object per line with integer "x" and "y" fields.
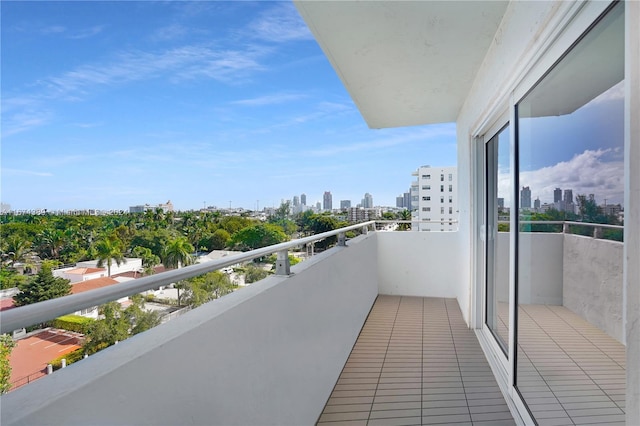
{"x": 303, "y": 199}
{"x": 296, "y": 201}
{"x": 407, "y": 200}
{"x": 525, "y": 198}
{"x": 367, "y": 201}
{"x": 568, "y": 196}
{"x": 501, "y": 203}
{"x": 318, "y": 206}
{"x": 557, "y": 195}
{"x": 345, "y": 204}
{"x": 536, "y": 204}
{"x": 327, "y": 201}
{"x": 400, "y": 202}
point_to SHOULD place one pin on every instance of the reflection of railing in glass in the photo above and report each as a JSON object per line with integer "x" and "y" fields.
{"x": 595, "y": 230}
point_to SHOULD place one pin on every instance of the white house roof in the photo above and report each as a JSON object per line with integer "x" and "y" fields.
{"x": 405, "y": 62}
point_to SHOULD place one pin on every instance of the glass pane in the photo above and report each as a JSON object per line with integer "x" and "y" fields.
{"x": 497, "y": 239}
{"x": 570, "y": 168}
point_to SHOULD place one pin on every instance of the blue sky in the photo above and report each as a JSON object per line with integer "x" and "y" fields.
{"x": 112, "y": 104}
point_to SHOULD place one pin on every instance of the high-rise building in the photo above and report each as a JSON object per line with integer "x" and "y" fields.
{"x": 557, "y": 195}
{"x": 536, "y": 204}
{"x": 345, "y": 204}
{"x": 296, "y": 201}
{"x": 327, "y": 204}
{"x": 400, "y": 202}
{"x": 407, "y": 200}
{"x": 568, "y": 196}
{"x": 568, "y": 204}
{"x": 367, "y": 201}
{"x": 303, "y": 199}
{"x": 434, "y": 198}
{"x": 525, "y": 198}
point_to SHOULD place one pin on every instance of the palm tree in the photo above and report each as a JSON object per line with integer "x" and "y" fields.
{"x": 109, "y": 250}
{"x": 404, "y": 215}
{"x": 177, "y": 253}
{"x": 15, "y": 248}
{"x": 52, "y": 240}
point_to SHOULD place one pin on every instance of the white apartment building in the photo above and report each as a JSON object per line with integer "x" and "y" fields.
{"x": 434, "y": 198}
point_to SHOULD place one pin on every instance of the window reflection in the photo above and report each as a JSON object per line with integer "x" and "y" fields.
{"x": 570, "y": 144}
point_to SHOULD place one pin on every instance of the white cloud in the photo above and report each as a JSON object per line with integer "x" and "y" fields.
{"x": 87, "y": 32}
{"x": 13, "y": 123}
{"x": 585, "y": 173}
{"x": 170, "y": 32}
{"x": 53, "y": 29}
{"x": 277, "y": 98}
{"x": 19, "y": 172}
{"x": 424, "y": 134}
{"x": 280, "y": 24}
{"x": 185, "y": 62}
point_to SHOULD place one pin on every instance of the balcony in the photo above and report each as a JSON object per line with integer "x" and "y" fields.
{"x": 274, "y": 352}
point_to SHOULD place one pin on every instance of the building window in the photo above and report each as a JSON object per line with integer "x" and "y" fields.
{"x": 426, "y": 209}
{"x": 450, "y": 199}
{"x": 450, "y": 177}
{"x": 426, "y": 176}
{"x": 441, "y": 210}
{"x": 441, "y": 188}
{"x": 426, "y": 187}
{"x": 442, "y": 178}
{"x": 450, "y": 210}
{"x": 450, "y": 188}
{"x": 442, "y": 199}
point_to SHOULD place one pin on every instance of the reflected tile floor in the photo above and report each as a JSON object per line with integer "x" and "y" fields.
{"x": 416, "y": 363}
{"x": 569, "y": 372}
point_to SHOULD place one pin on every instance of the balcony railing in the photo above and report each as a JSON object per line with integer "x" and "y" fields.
{"x": 43, "y": 311}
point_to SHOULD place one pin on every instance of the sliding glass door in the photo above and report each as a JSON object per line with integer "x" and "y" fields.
{"x": 570, "y": 363}
{"x": 498, "y": 206}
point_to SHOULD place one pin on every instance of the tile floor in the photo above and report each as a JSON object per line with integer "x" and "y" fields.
{"x": 416, "y": 363}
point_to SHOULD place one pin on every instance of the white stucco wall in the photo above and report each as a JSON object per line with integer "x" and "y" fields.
{"x": 267, "y": 354}
{"x": 422, "y": 264}
{"x": 593, "y": 282}
{"x": 131, "y": 264}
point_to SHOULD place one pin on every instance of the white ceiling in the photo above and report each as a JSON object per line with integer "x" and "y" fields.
{"x": 405, "y": 62}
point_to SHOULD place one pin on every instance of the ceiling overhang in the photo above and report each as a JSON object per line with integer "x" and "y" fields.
{"x": 405, "y": 63}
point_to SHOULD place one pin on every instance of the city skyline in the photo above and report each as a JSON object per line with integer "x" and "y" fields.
{"x": 111, "y": 104}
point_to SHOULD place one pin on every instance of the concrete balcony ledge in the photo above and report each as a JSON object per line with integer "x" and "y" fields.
{"x": 267, "y": 354}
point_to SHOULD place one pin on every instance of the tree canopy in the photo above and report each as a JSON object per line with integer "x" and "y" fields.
{"x": 207, "y": 287}
{"x": 257, "y": 236}
{"x": 43, "y": 286}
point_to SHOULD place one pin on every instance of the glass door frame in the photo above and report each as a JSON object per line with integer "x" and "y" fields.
{"x": 502, "y": 361}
